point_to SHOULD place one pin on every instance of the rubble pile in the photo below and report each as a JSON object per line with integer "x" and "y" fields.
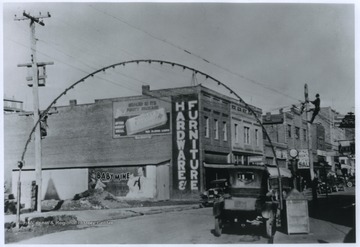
{"x": 92, "y": 199}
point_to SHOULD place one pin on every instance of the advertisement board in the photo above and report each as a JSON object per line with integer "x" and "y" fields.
{"x": 120, "y": 181}
{"x": 185, "y": 114}
{"x": 141, "y": 117}
{"x": 303, "y": 162}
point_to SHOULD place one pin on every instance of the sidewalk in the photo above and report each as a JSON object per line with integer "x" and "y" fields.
{"x": 331, "y": 221}
{"x": 320, "y": 232}
{"x": 104, "y": 214}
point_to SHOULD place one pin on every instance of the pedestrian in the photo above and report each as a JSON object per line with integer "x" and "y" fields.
{"x": 315, "y": 110}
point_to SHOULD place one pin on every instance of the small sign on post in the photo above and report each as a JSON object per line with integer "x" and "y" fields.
{"x": 303, "y": 159}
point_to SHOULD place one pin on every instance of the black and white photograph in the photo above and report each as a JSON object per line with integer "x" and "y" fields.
{"x": 179, "y": 122}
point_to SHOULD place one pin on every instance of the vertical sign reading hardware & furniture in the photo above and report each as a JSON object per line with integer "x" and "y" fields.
{"x": 186, "y": 164}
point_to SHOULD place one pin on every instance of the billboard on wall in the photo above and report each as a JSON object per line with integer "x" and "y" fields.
{"x": 129, "y": 182}
{"x": 141, "y": 117}
{"x": 185, "y": 120}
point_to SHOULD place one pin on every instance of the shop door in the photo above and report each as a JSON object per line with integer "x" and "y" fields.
{"x": 162, "y": 182}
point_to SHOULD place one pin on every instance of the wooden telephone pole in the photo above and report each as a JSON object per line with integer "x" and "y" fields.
{"x": 35, "y": 79}
{"x": 309, "y": 144}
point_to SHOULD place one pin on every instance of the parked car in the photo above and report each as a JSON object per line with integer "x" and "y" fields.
{"x": 250, "y": 199}
{"x": 323, "y": 188}
{"x": 340, "y": 187}
{"x": 340, "y": 183}
{"x": 350, "y": 181}
{"x": 334, "y": 188}
{"x": 217, "y": 188}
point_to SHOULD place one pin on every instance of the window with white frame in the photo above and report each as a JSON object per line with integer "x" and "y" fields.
{"x": 246, "y": 135}
{"x": 297, "y": 132}
{"x": 225, "y": 131}
{"x": 207, "y": 125}
{"x": 289, "y": 130}
{"x": 257, "y": 137}
{"x": 236, "y": 133}
{"x": 216, "y": 129}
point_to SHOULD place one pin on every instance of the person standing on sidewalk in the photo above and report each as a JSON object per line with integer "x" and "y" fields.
{"x": 315, "y": 110}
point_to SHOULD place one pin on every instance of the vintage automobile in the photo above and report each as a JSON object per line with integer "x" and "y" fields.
{"x": 350, "y": 181}
{"x": 252, "y": 198}
{"x": 217, "y": 188}
{"x": 324, "y": 188}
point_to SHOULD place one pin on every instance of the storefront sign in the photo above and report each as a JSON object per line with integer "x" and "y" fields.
{"x": 321, "y": 152}
{"x": 141, "y": 117}
{"x": 185, "y": 112}
{"x": 303, "y": 162}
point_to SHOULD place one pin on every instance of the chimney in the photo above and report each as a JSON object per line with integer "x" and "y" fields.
{"x": 73, "y": 102}
{"x": 145, "y": 89}
{"x": 281, "y": 110}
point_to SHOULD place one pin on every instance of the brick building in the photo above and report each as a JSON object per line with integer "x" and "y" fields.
{"x": 153, "y": 145}
{"x": 288, "y": 130}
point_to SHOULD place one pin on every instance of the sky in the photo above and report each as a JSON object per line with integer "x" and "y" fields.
{"x": 265, "y": 52}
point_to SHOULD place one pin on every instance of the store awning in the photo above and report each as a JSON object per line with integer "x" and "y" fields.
{"x": 284, "y": 172}
{"x": 232, "y": 166}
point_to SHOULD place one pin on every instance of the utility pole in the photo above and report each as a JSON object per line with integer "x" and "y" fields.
{"x": 35, "y": 85}
{"x": 309, "y": 144}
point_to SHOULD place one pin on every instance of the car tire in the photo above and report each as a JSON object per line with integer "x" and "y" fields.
{"x": 218, "y": 227}
{"x": 349, "y": 184}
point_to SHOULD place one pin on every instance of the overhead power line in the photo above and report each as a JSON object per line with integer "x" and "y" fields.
{"x": 193, "y": 54}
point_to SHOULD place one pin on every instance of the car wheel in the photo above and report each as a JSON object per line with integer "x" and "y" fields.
{"x": 218, "y": 226}
{"x": 349, "y": 184}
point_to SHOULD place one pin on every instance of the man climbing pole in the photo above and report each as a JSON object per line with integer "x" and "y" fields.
{"x": 315, "y": 110}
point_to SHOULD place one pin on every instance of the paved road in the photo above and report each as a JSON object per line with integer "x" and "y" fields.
{"x": 183, "y": 227}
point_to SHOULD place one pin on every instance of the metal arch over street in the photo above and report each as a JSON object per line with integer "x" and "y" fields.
{"x": 159, "y": 62}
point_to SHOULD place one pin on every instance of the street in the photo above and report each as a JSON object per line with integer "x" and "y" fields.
{"x": 196, "y": 226}
{"x": 185, "y": 227}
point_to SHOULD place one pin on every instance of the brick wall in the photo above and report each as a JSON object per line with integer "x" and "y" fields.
{"x": 81, "y": 136}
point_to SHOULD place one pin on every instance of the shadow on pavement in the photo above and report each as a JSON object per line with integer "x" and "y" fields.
{"x": 337, "y": 209}
{"x": 247, "y": 233}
